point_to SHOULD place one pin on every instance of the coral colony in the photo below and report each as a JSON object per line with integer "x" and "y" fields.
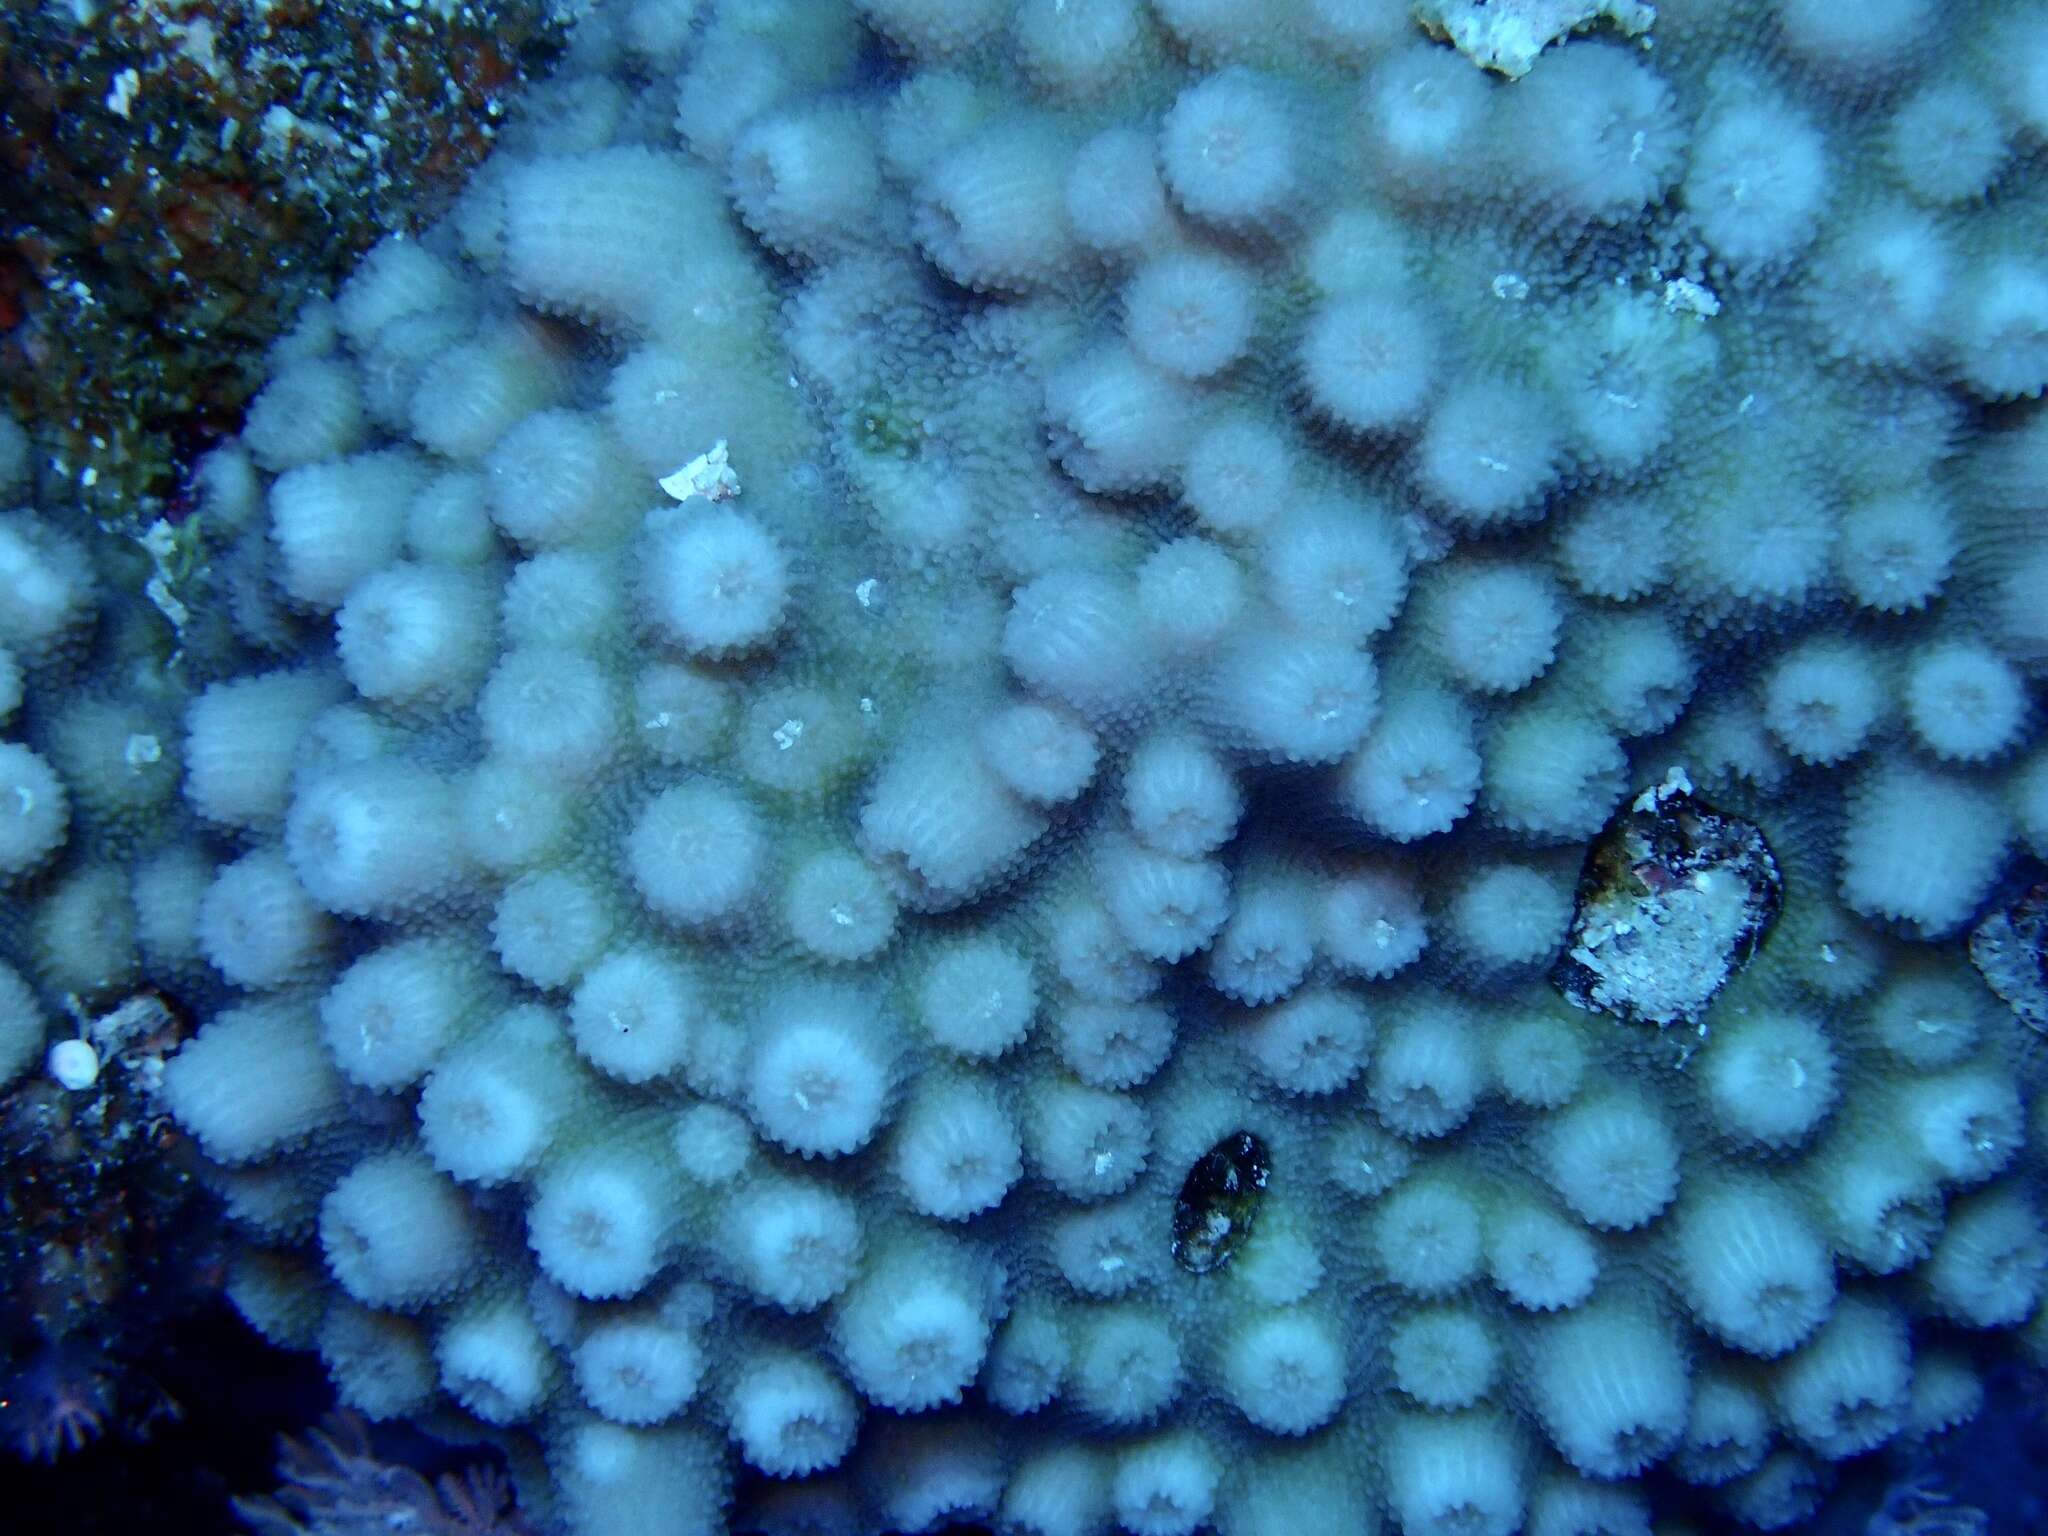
{"x": 1145, "y": 764}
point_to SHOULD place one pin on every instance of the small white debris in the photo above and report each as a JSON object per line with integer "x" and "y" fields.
{"x": 1510, "y": 286}
{"x": 135, "y": 1018}
{"x": 142, "y": 750}
{"x": 1676, "y": 782}
{"x": 1507, "y": 35}
{"x": 159, "y": 592}
{"x": 74, "y": 1064}
{"x": 161, "y": 540}
{"x": 197, "y": 41}
{"x": 281, "y": 126}
{"x": 1683, "y": 296}
{"x": 122, "y": 96}
{"x": 709, "y": 475}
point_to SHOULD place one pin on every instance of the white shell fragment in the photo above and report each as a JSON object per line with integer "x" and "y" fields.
{"x": 709, "y": 475}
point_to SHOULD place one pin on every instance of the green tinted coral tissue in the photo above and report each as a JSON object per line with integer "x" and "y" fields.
{"x": 923, "y": 631}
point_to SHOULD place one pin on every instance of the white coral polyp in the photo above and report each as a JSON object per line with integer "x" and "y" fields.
{"x": 1165, "y": 1487}
{"x": 956, "y": 1152}
{"x": 1314, "y": 1043}
{"x": 1285, "y": 1372}
{"x": 1754, "y": 1271}
{"x": 816, "y": 1082}
{"x": 793, "y": 1244}
{"x": 792, "y": 1417}
{"x": 912, "y": 1339}
{"x": 695, "y": 853}
{"x": 1229, "y": 150}
{"x": 713, "y": 583}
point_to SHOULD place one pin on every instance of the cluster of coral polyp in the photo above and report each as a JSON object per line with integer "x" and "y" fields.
{"x": 889, "y": 807}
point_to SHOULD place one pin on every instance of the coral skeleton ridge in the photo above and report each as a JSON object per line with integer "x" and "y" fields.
{"x": 1113, "y": 765}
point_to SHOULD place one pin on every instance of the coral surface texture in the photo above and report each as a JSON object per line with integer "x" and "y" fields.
{"x": 1118, "y": 764}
